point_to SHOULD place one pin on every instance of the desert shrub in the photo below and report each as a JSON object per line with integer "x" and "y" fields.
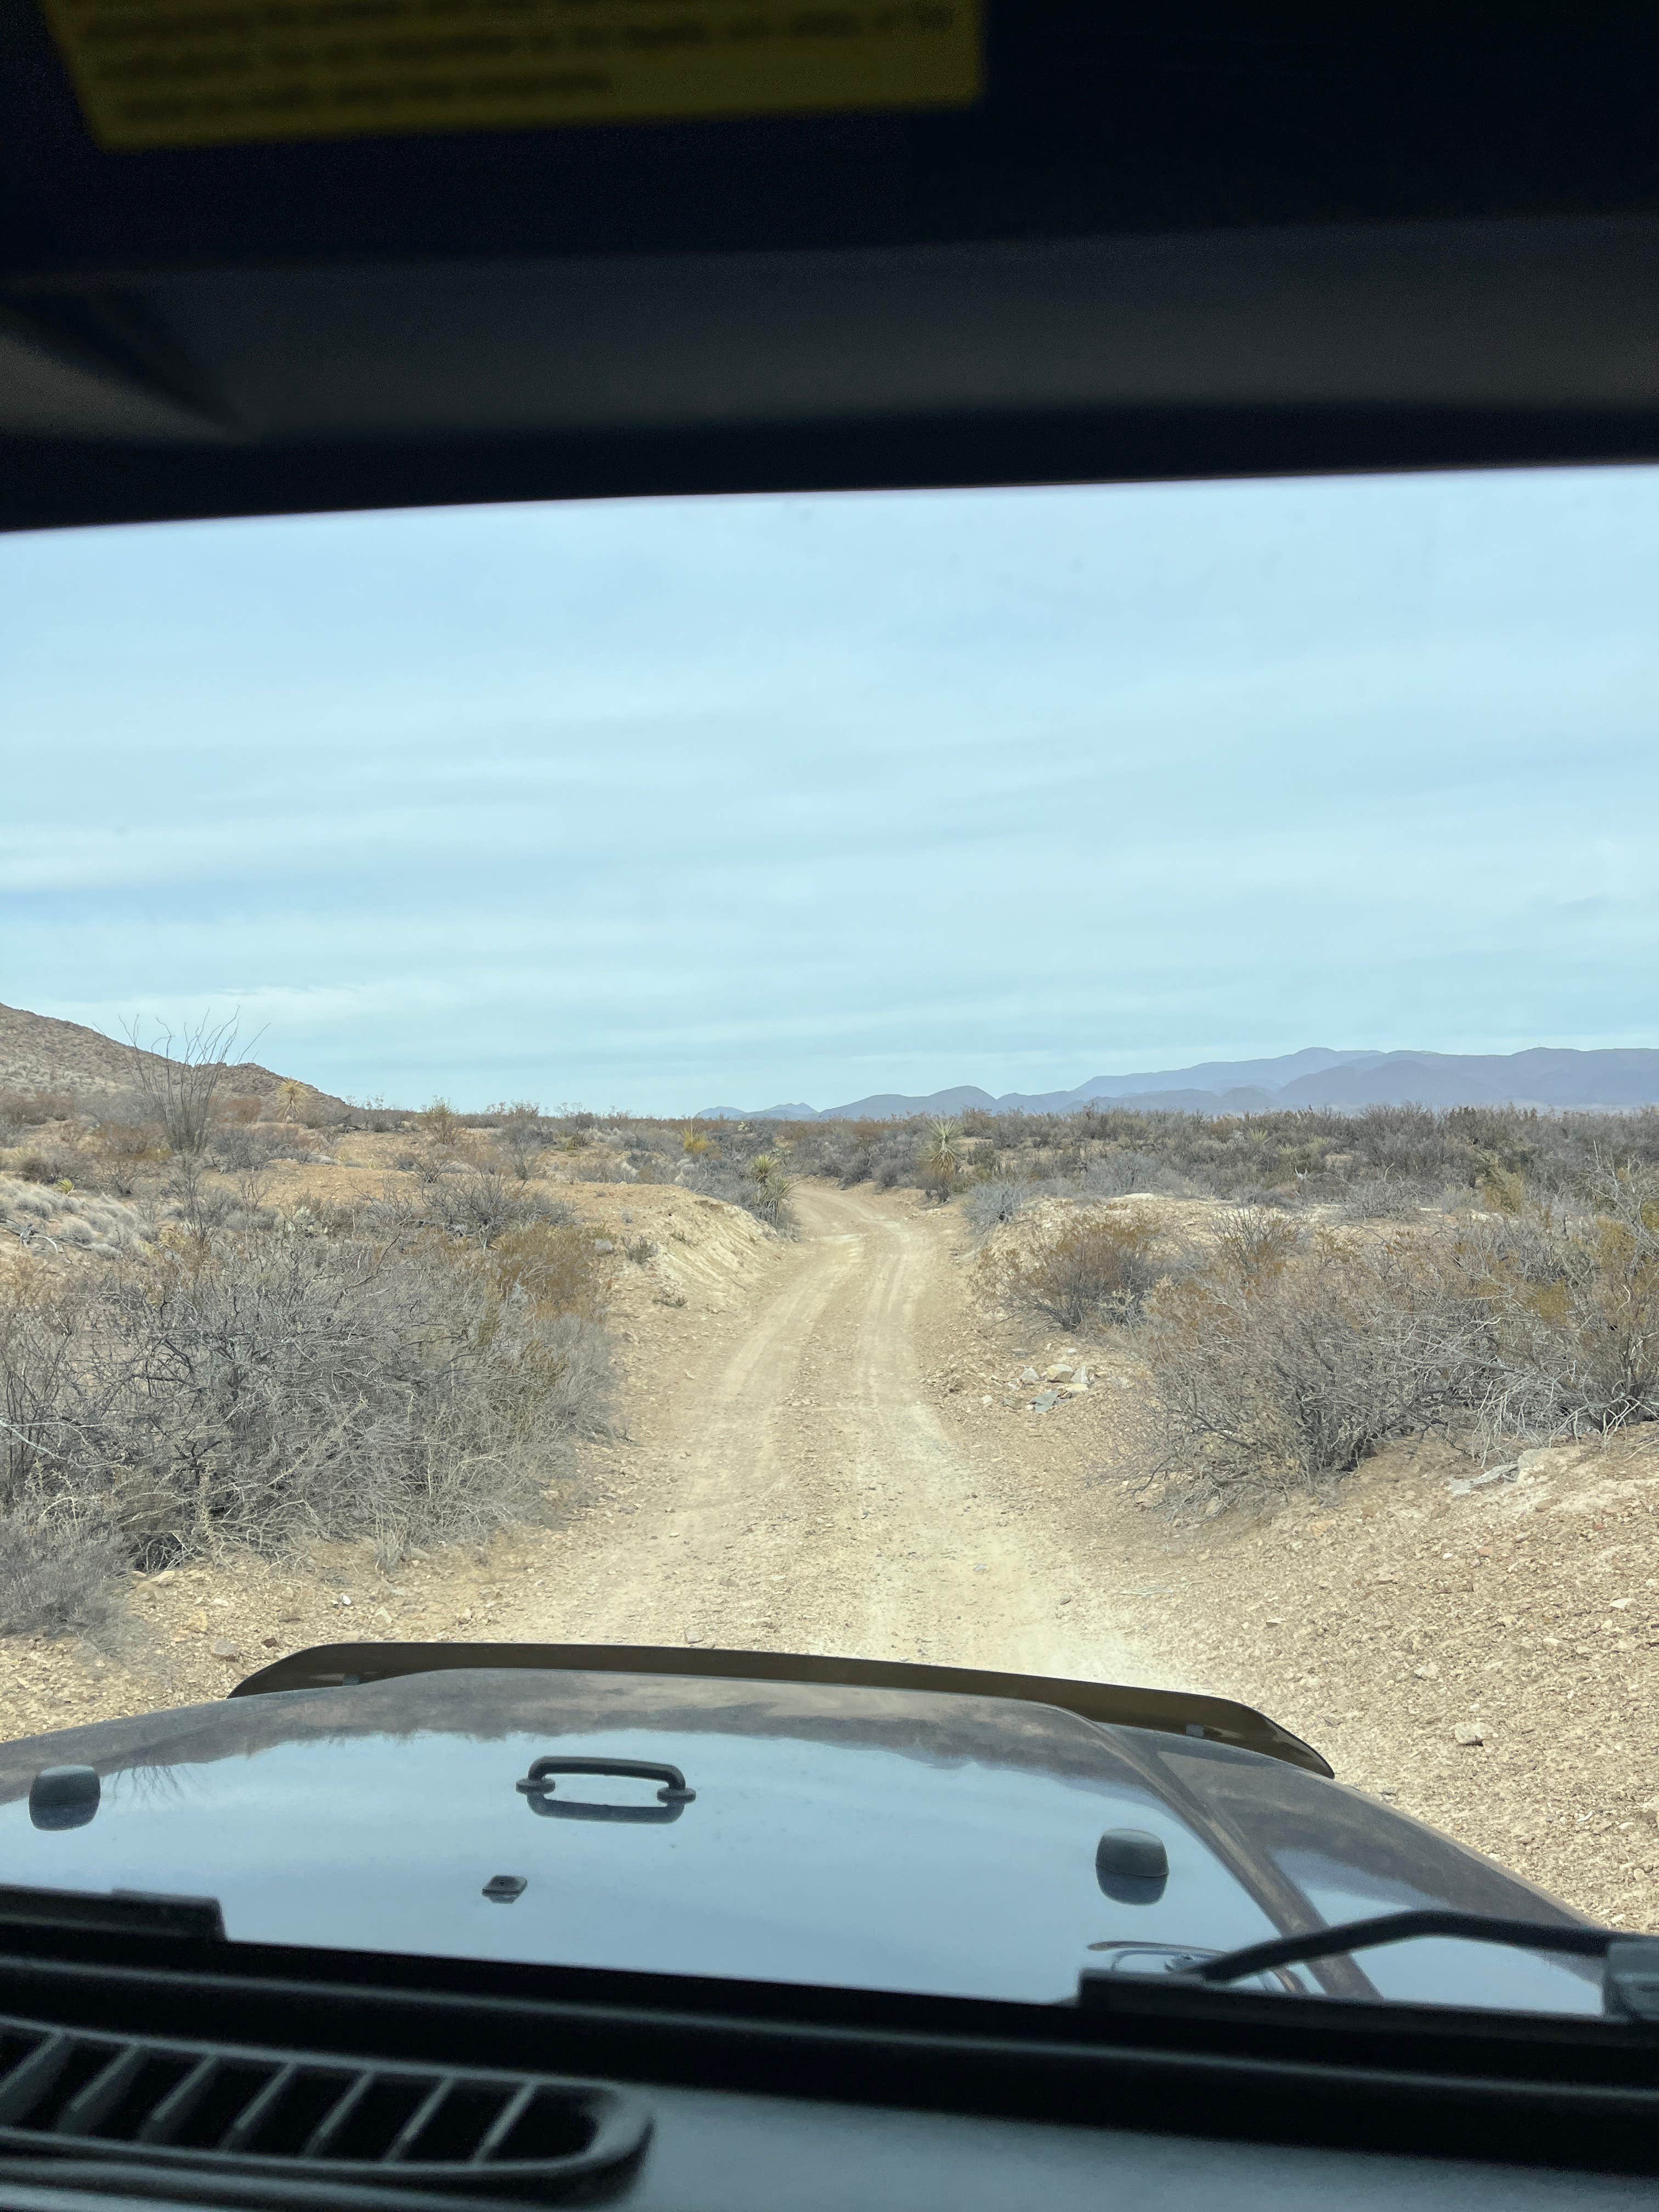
{"x": 1574, "y": 1301}
{"x": 695, "y": 1142}
{"x": 375, "y": 1114}
{"x": 299, "y": 1103}
{"x": 893, "y": 1159}
{"x": 599, "y": 1166}
{"x": 123, "y": 1150}
{"x": 991, "y": 1204}
{"x": 180, "y": 1077}
{"x": 838, "y": 1150}
{"x": 568, "y": 1375}
{"x": 1101, "y": 1267}
{"x": 521, "y": 1138}
{"x": 442, "y": 1124}
{"x": 557, "y": 1264}
{"x": 857, "y": 1144}
{"x": 70, "y": 1219}
{"x": 1381, "y": 1198}
{"x": 1283, "y": 1374}
{"x": 201, "y": 1208}
{"x": 1122, "y": 1173}
{"x": 761, "y": 1186}
{"x": 483, "y": 1204}
{"x": 48, "y": 1163}
{"x": 30, "y": 1109}
{"x": 640, "y": 1251}
{"x": 766, "y": 1185}
{"x": 1416, "y": 1144}
{"x": 1502, "y": 1189}
{"x": 238, "y": 1147}
{"x": 57, "y": 1576}
{"x": 272, "y": 1385}
{"x": 1255, "y": 1244}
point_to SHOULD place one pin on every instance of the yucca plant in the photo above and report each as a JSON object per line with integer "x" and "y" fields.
{"x": 943, "y": 1159}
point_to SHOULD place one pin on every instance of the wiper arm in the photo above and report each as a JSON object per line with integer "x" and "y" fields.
{"x": 1629, "y": 1981}
{"x": 1397, "y": 1928}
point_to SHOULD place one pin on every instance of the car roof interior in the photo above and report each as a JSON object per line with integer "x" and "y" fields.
{"x": 1149, "y": 242}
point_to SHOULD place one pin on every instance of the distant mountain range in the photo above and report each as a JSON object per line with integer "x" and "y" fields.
{"x": 1314, "y": 1077}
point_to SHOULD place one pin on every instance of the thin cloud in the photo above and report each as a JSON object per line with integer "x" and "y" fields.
{"x": 759, "y": 799}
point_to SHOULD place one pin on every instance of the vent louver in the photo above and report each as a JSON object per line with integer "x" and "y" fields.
{"x": 70, "y": 2095}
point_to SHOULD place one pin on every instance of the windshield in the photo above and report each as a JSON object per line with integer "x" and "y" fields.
{"x": 1053, "y": 1082}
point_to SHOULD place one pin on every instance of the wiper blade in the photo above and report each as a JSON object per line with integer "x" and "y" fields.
{"x": 1399, "y": 1928}
{"x": 113, "y": 1912}
{"x": 1630, "y": 1980}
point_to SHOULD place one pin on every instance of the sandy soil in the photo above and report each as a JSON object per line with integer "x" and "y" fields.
{"x": 792, "y": 1484}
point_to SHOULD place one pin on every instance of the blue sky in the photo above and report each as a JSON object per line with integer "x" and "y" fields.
{"x": 668, "y": 804}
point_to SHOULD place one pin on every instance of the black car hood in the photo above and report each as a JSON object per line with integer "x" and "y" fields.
{"x": 879, "y": 1838}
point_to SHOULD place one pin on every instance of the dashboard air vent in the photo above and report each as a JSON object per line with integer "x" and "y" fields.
{"x": 67, "y": 2094}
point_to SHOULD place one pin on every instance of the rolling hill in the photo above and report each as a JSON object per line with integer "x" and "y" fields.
{"x": 38, "y": 1053}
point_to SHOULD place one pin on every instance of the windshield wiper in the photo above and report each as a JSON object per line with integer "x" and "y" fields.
{"x": 1630, "y": 1980}
{"x": 1399, "y": 1928}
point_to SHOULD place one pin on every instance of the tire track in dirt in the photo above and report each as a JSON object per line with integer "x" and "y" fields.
{"x": 797, "y": 1491}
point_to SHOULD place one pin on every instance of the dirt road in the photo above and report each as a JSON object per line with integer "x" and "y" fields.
{"x": 794, "y": 1487}
{"x": 819, "y": 1450}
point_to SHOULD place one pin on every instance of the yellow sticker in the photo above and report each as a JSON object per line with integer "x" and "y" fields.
{"x": 225, "y": 72}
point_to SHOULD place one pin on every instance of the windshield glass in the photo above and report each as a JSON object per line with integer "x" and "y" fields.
{"x": 1053, "y": 1082}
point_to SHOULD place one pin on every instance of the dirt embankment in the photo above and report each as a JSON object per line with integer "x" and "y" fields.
{"x": 826, "y": 1445}
{"x": 1478, "y": 1645}
{"x": 681, "y": 1264}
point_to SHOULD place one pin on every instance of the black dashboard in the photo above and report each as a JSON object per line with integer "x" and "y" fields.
{"x": 449, "y": 2084}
